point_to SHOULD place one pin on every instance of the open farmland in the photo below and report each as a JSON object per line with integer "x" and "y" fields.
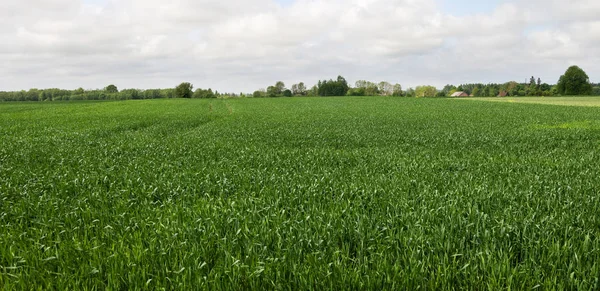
{"x": 299, "y": 193}
{"x": 593, "y": 101}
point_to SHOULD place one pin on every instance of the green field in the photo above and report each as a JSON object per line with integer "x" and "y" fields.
{"x": 593, "y": 101}
{"x": 299, "y": 193}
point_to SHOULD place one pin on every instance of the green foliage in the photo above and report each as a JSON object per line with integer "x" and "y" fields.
{"x": 299, "y": 193}
{"x": 258, "y": 94}
{"x": 397, "y": 90}
{"x": 385, "y": 88}
{"x": 596, "y": 90}
{"x": 299, "y": 89}
{"x": 184, "y": 90}
{"x": 81, "y": 94}
{"x": 339, "y": 87}
{"x": 314, "y": 91}
{"x": 425, "y": 91}
{"x": 574, "y": 82}
{"x": 272, "y": 91}
{"x": 204, "y": 93}
{"x": 448, "y": 90}
{"x": 128, "y": 94}
{"x": 279, "y": 88}
{"x": 111, "y": 89}
{"x": 365, "y": 88}
{"x": 287, "y": 93}
{"x": 356, "y": 92}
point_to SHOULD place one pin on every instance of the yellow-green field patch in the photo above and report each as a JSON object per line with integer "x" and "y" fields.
{"x": 583, "y": 124}
{"x": 593, "y": 101}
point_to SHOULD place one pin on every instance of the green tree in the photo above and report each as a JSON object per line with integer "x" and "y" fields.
{"x": 111, "y": 89}
{"x": 184, "y": 90}
{"x": 287, "y": 93}
{"x": 314, "y": 91}
{"x": 201, "y": 93}
{"x": 532, "y": 81}
{"x": 302, "y": 88}
{"x": 574, "y": 82}
{"x": 397, "y": 90}
{"x": 385, "y": 88}
{"x": 272, "y": 91}
{"x": 369, "y": 88}
{"x": 596, "y": 91}
{"x": 279, "y": 88}
{"x": 299, "y": 89}
{"x": 448, "y": 89}
{"x": 339, "y": 87}
{"x": 356, "y": 92}
{"x": 425, "y": 91}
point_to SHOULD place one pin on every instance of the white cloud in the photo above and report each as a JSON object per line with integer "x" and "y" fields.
{"x": 247, "y": 44}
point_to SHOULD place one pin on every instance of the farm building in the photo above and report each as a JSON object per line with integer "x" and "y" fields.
{"x": 460, "y": 94}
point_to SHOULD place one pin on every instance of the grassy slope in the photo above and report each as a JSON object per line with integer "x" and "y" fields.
{"x": 299, "y": 193}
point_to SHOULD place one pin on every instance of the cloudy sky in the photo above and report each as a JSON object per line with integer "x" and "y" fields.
{"x": 243, "y": 45}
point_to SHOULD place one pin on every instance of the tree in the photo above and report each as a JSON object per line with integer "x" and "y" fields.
{"x": 299, "y": 89}
{"x": 287, "y": 93}
{"x": 574, "y": 82}
{"x": 280, "y": 87}
{"x": 360, "y": 84}
{"x": 314, "y": 91}
{"x": 272, "y": 91}
{"x": 184, "y": 90}
{"x": 425, "y": 91}
{"x": 201, "y": 93}
{"x": 532, "y": 81}
{"x": 397, "y": 90}
{"x": 385, "y": 88}
{"x": 511, "y": 88}
{"x": 545, "y": 87}
{"x": 111, "y": 89}
{"x": 356, "y": 92}
{"x": 448, "y": 89}
{"x": 339, "y": 87}
{"x": 368, "y": 88}
{"x": 343, "y": 84}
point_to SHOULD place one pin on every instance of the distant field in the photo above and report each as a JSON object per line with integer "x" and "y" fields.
{"x": 567, "y": 101}
{"x": 300, "y": 193}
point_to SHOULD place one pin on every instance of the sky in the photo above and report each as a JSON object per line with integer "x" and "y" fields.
{"x": 244, "y": 45}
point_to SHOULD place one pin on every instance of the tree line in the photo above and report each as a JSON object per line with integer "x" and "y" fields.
{"x": 574, "y": 82}
{"x": 111, "y": 92}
